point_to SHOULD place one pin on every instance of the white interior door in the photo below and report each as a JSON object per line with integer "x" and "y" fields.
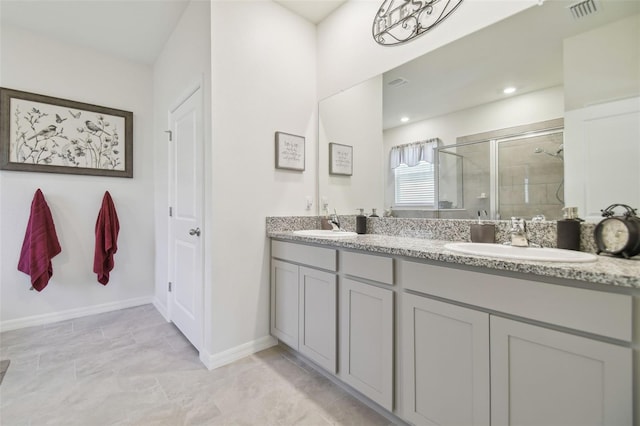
{"x": 186, "y": 211}
{"x": 602, "y": 146}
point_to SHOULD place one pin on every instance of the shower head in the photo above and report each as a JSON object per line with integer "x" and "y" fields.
{"x": 557, "y": 154}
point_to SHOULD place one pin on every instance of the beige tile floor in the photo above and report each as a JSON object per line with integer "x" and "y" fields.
{"x": 130, "y": 367}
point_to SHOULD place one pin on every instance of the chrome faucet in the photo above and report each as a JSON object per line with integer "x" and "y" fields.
{"x": 334, "y": 220}
{"x": 518, "y": 232}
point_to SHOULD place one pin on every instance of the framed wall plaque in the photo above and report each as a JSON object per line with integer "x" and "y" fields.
{"x": 289, "y": 151}
{"x": 340, "y": 159}
{"x": 41, "y": 133}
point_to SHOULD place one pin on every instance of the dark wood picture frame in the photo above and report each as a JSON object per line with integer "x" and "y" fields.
{"x": 290, "y": 152}
{"x": 54, "y": 135}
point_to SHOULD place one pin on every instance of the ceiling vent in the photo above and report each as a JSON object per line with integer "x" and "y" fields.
{"x": 397, "y": 82}
{"x": 584, "y": 8}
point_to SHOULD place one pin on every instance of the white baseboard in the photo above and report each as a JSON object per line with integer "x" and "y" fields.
{"x": 72, "y": 313}
{"x": 161, "y": 308}
{"x": 212, "y": 361}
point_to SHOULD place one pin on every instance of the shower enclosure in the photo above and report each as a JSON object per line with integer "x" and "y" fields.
{"x": 504, "y": 174}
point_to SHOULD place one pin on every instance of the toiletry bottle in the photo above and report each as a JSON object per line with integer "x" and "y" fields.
{"x": 568, "y": 229}
{"x": 373, "y": 213}
{"x": 361, "y": 223}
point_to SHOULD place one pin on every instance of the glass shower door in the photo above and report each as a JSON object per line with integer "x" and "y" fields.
{"x": 464, "y": 180}
{"x": 530, "y": 175}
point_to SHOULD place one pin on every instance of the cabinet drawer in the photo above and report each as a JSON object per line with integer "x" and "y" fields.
{"x": 597, "y": 312}
{"x": 318, "y": 257}
{"x": 376, "y": 268}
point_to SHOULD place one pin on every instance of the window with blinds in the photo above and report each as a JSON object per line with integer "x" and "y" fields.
{"x": 415, "y": 186}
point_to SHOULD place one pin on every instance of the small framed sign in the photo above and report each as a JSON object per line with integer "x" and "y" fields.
{"x": 289, "y": 151}
{"x": 340, "y": 159}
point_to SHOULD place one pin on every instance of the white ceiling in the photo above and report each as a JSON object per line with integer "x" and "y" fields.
{"x": 133, "y": 29}
{"x": 312, "y": 10}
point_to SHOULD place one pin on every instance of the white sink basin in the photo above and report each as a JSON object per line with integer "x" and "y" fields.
{"x": 541, "y": 254}
{"x": 323, "y": 233}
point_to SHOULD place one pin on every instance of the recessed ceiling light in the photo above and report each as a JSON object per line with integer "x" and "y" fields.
{"x": 404, "y": 119}
{"x": 509, "y": 90}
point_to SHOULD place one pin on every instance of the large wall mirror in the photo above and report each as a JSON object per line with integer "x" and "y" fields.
{"x": 569, "y": 135}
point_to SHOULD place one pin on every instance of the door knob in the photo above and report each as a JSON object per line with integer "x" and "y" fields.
{"x": 195, "y": 232}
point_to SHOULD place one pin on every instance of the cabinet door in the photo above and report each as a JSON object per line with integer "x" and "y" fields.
{"x": 317, "y": 336}
{"x": 284, "y": 302}
{"x": 546, "y": 377}
{"x": 366, "y": 342}
{"x": 445, "y": 363}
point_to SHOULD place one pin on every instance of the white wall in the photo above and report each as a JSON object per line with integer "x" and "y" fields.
{"x": 36, "y": 64}
{"x": 348, "y": 55}
{"x": 362, "y": 131}
{"x": 601, "y": 120}
{"x": 184, "y": 63}
{"x": 609, "y": 55}
{"x": 263, "y": 81}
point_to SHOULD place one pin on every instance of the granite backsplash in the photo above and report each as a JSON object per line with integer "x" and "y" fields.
{"x": 542, "y": 233}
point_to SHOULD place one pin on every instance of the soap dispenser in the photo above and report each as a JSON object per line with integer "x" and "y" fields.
{"x": 568, "y": 229}
{"x": 361, "y": 223}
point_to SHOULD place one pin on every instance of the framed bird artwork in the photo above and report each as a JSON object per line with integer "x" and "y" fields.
{"x": 41, "y": 133}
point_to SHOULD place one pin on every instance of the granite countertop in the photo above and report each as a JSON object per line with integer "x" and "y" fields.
{"x": 606, "y": 270}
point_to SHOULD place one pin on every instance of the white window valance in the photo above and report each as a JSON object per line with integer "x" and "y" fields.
{"x": 412, "y": 154}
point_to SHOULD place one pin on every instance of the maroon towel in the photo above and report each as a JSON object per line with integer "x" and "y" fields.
{"x": 40, "y": 244}
{"x": 107, "y": 228}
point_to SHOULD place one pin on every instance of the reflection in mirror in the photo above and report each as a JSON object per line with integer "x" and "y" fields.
{"x": 529, "y": 175}
{"x": 352, "y": 118}
{"x": 503, "y": 174}
{"x": 451, "y": 177}
{"x": 463, "y": 168}
{"x": 586, "y": 71}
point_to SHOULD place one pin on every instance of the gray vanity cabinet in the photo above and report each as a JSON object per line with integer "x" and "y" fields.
{"x": 462, "y": 363}
{"x": 366, "y": 326}
{"x": 304, "y": 301}
{"x": 544, "y": 377}
{"x": 366, "y": 347}
{"x": 317, "y": 310}
{"x": 284, "y": 302}
{"x": 445, "y": 350}
{"x": 473, "y": 347}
